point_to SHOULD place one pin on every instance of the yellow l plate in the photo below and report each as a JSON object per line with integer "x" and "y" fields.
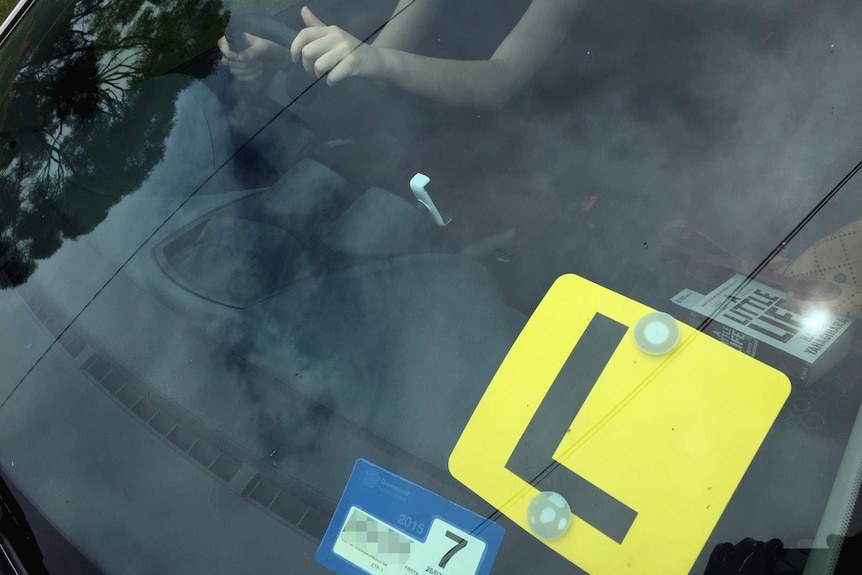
{"x": 650, "y": 453}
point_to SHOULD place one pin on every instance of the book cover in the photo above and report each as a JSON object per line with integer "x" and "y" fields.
{"x": 752, "y": 317}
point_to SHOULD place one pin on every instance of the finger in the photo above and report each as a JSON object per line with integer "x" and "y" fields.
{"x": 310, "y": 19}
{"x": 248, "y": 78}
{"x": 241, "y": 65}
{"x": 223, "y": 46}
{"x": 232, "y": 58}
{"x": 242, "y": 44}
{"x": 303, "y": 38}
{"x": 257, "y": 48}
{"x": 250, "y": 74}
{"x": 235, "y": 65}
{"x": 347, "y": 67}
{"x": 245, "y": 71}
{"x": 323, "y": 64}
{"x": 320, "y": 56}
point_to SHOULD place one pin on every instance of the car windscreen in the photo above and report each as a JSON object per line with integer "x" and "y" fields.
{"x": 587, "y": 272}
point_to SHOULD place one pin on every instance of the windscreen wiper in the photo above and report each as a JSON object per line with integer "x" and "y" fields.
{"x": 19, "y": 552}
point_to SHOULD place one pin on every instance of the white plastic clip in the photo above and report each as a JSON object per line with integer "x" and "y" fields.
{"x": 417, "y": 185}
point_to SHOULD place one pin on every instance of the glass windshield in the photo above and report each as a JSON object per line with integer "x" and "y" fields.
{"x": 587, "y": 272}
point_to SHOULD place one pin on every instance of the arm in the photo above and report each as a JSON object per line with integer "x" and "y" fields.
{"x": 487, "y": 83}
{"x": 481, "y": 83}
{"x": 254, "y": 56}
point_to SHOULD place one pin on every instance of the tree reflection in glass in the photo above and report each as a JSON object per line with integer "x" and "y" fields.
{"x": 79, "y": 129}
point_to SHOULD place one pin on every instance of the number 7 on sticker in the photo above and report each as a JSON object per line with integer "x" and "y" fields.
{"x": 440, "y": 557}
{"x": 459, "y": 544}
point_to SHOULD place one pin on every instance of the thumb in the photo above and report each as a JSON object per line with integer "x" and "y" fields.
{"x": 310, "y": 19}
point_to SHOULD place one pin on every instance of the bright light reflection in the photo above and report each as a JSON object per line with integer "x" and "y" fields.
{"x": 815, "y": 319}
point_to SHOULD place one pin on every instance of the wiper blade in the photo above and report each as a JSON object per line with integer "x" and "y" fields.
{"x": 19, "y": 552}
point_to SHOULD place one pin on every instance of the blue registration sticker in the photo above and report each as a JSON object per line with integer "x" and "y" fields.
{"x": 386, "y": 525}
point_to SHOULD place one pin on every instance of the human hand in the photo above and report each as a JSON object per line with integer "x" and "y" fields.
{"x": 330, "y": 50}
{"x": 249, "y": 63}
